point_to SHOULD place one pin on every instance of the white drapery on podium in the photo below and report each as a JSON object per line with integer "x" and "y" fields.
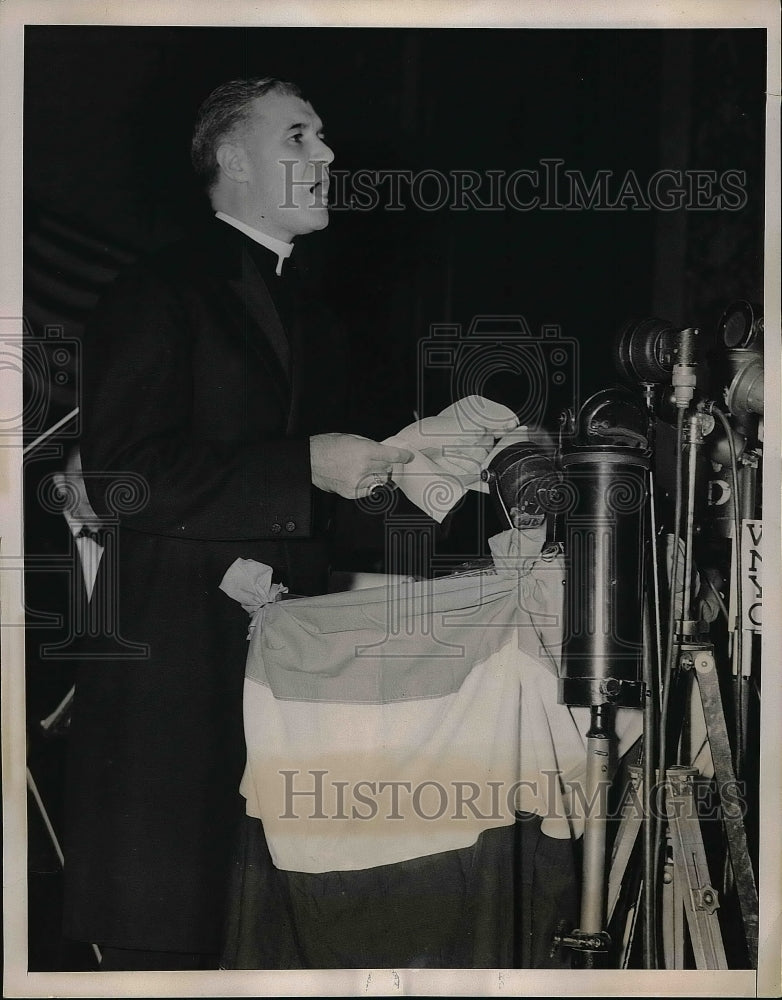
{"x": 399, "y": 722}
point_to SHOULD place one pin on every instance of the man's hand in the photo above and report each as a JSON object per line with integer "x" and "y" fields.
{"x": 352, "y": 466}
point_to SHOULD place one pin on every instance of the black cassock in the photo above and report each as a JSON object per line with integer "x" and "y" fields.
{"x": 205, "y": 374}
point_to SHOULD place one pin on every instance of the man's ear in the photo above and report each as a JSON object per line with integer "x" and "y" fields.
{"x": 232, "y": 161}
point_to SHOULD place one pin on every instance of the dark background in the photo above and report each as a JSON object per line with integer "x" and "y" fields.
{"x": 108, "y": 114}
{"x": 107, "y": 119}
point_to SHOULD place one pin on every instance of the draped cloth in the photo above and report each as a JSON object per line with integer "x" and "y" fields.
{"x": 411, "y": 725}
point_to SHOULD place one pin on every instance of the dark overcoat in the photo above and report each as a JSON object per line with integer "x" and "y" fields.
{"x": 205, "y": 375}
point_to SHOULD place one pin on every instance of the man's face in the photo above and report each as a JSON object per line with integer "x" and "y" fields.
{"x": 287, "y": 167}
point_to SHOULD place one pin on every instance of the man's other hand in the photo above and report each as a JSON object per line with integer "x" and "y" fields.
{"x": 352, "y": 466}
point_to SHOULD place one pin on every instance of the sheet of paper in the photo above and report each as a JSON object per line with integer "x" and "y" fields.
{"x": 450, "y": 451}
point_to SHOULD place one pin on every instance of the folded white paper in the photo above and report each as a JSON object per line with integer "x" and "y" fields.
{"x": 450, "y": 451}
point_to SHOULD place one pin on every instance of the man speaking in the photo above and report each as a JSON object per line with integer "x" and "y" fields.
{"x": 212, "y": 398}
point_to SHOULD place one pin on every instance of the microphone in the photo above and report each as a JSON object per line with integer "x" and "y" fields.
{"x": 741, "y": 325}
{"x": 522, "y": 479}
{"x": 646, "y": 350}
{"x": 601, "y": 526}
{"x": 683, "y": 373}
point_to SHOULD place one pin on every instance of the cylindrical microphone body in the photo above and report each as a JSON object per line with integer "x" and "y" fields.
{"x": 602, "y": 530}
{"x": 744, "y": 393}
{"x": 646, "y": 350}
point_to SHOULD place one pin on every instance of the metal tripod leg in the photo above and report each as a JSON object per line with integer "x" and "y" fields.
{"x": 629, "y": 827}
{"x": 686, "y": 890}
{"x": 673, "y": 920}
{"x": 690, "y": 871}
{"x": 733, "y": 822}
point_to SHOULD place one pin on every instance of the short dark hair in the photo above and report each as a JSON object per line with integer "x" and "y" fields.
{"x": 226, "y": 107}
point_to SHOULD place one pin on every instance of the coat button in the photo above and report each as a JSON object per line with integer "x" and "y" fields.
{"x": 276, "y": 528}
{"x": 290, "y": 526}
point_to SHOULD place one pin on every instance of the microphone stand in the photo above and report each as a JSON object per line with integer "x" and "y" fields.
{"x": 602, "y": 653}
{"x": 591, "y": 936}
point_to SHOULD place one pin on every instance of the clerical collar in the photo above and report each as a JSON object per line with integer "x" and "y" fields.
{"x": 280, "y": 247}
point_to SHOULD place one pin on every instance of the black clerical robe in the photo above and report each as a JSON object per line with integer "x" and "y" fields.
{"x": 205, "y": 374}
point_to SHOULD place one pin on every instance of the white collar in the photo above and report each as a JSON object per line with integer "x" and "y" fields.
{"x": 75, "y": 525}
{"x": 280, "y": 247}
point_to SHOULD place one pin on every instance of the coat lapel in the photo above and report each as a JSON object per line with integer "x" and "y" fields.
{"x": 260, "y": 322}
{"x": 261, "y": 312}
{"x": 249, "y": 304}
